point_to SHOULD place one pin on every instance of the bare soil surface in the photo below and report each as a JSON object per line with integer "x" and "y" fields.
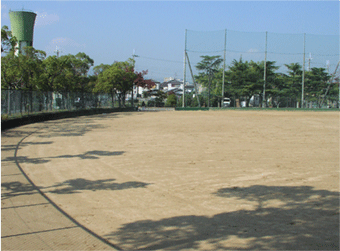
{"x": 194, "y": 180}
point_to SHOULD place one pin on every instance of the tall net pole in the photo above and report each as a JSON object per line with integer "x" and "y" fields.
{"x": 185, "y": 52}
{"x": 303, "y": 71}
{"x": 265, "y": 73}
{"x": 223, "y": 76}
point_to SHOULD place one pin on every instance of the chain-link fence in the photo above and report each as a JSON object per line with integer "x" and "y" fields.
{"x": 25, "y": 102}
{"x": 308, "y": 50}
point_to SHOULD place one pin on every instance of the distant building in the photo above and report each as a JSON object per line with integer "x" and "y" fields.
{"x": 138, "y": 91}
{"x": 176, "y": 86}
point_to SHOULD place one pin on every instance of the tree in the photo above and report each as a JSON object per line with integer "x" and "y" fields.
{"x": 160, "y": 96}
{"x": 293, "y": 81}
{"x": 100, "y": 68}
{"x": 32, "y": 67}
{"x": 77, "y": 75}
{"x": 8, "y": 41}
{"x": 279, "y": 90}
{"x": 55, "y": 78}
{"x": 117, "y": 80}
{"x": 11, "y": 75}
{"x": 81, "y": 64}
{"x": 316, "y": 84}
{"x": 11, "y": 72}
{"x": 209, "y": 66}
{"x": 54, "y": 67}
{"x": 256, "y": 78}
{"x": 239, "y": 79}
{"x": 107, "y": 81}
{"x": 171, "y": 100}
{"x": 141, "y": 82}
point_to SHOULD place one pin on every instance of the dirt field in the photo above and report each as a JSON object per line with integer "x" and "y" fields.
{"x": 194, "y": 180}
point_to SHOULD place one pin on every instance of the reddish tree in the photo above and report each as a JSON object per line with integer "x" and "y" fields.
{"x": 141, "y": 82}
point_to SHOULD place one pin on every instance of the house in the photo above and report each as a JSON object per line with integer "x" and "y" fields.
{"x": 138, "y": 91}
{"x": 176, "y": 86}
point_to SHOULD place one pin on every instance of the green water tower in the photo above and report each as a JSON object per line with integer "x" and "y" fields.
{"x": 22, "y": 26}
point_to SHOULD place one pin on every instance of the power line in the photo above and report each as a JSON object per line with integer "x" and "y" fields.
{"x": 164, "y": 60}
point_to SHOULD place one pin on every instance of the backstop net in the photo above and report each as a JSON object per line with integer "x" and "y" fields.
{"x": 321, "y": 51}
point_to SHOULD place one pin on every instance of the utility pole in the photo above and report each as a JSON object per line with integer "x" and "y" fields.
{"x": 193, "y": 80}
{"x": 330, "y": 83}
{"x": 309, "y": 60}
{"x": 134, "y": 62}
{"x": 327, "y": 65}
{"x": 57, "y": 51}
{"x": 185, "y": 52}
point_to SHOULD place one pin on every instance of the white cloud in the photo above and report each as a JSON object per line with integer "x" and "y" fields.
{"x": 44, "y": 18}
{"x": 64, "y": 45}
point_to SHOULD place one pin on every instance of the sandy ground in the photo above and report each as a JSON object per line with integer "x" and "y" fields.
{"x": 194, "y": 180}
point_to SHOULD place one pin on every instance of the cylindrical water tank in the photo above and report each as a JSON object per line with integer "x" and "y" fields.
{"x": 22, "y": 27}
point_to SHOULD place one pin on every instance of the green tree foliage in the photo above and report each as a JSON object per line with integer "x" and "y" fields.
{"x": 117, "y": 80}
{"x": 245, "y": 79}
{"x": 11, "y": 72}
{"x": 160, "y": 97}
{"x": 32, "y": 67}
{"x": 208, "y": 66}
{"x": 171, "y": 100}
{"x": 316, "y": 84}
{"x": 100, "y": 68}
{"x": 257, "y": 81}
{"x": 239, "y": 79}
{"x": 53, "y": 76}
{"x": 293, "y": 80}
{"x": 80, "y": 66}
{"x": 7, "y": 40}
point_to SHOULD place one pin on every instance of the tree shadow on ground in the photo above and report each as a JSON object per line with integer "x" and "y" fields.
{"x": 95, "y": 154}
{"x": 69, "y": 130}
{"x": 91, "y": 154}
{"x": 36, "y": 143}
{"x": 304, "y": 218}
{"x": 18, "y": 132}
{"x": 77, "y": 185}
{"x": 71, "y": 127}
{"x": 81, "y": 125}
{"x": 14, "y": 147}
{"x": 8, "y": 147}
{"x": 16, "y": 188}
{"x": 25, "y": 159}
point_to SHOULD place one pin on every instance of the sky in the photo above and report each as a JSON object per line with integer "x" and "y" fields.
{"x": 111, "y": 31}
